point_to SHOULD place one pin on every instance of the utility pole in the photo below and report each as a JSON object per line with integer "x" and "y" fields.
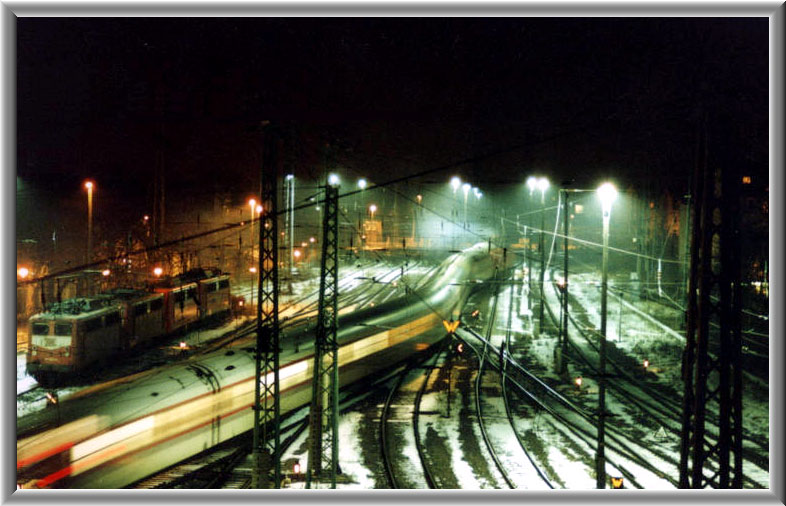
{"x": 323, "y": 416}
{"x": 266, "y": 451}
{"x": 713, "y": 378}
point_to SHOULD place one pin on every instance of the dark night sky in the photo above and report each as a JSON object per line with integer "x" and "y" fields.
{"x": 583, "y": 98}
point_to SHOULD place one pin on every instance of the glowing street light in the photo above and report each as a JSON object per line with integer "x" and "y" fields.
{"x": 333, "y": 180}
{"x": 296, "y": 254}
{"x": 532, "y": 182}
{"x": 455, "y": 183}
{"x": 607, "y": 195}
{"x": 106, "y": 272}
{"x": 465, "y": 188}
{"x": 89, "y": 186}
{"x": 362, "y": 183}
{"x": 542, "y": 185}
{"x": 158, "y": 271}
{"x": 23, "y": 272}
{"x": 372, "y": 209}
{"x": 312, "y": 240}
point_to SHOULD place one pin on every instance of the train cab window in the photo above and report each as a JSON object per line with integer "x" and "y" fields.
{"x": 112, "y": 319}
{"x": 156, "y": 304}
{"x": 191, "y": 293}
{"x": 62, "y": 329}
{"x": 140, "y": 309}
{"x": 180, "y": 296}
{"x": 211, "y": 287}
{"x": 224, "y": 283}
{"x": 41, "y": 329}
{"x": 91, "y": 325}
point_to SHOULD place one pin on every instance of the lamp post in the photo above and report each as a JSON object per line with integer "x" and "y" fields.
{"x": 372, "y": 209}
{"x": 543, "y": 185}
{"x": 465, "y": 188}
{"x": 89, "y": 187}
{"x": 607, "y": 194}
{"x": 290, "y": 181}
{"x": 455, "y": 183}
{"x": 252, "y": 204}
{"x": 532, "y": 182}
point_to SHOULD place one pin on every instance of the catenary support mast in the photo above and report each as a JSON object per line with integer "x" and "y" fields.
{"x": 267, "y": 441}
{"x": 323, "y": 416}
{"x": 712, "y": 367}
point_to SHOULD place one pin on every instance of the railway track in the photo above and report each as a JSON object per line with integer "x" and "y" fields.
{"x": 642, "y": 394}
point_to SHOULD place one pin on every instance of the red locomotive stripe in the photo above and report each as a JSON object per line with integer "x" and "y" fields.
{"x": 43, "y": 455}
{"x": 58, "y": 475}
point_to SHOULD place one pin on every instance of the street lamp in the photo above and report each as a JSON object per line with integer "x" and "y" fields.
{"x": 465, "y": 187}
{"x": 252, "y": 204}
{"x": 543, "y": 185}
{"x": 607, "y": 195}
{"x": 23, "y": 272}
{"x": 158, "y": 271}
{"x": 89, "y": 187}
{"x": 362, "y": 183}
{"x": 372, "y": 208}
{"x": 455, "y": 183}
{"x": 333, "y": 180}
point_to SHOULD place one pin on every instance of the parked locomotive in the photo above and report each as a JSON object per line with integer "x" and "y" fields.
{"x": 77, "y": 333}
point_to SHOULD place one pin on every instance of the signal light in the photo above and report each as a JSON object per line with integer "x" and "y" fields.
{"x": 578, "y": 382}
{"x": 617, "y": 482}
{"x": 646, "y": 363}
{"x": 460, "y": 348}
{"x": 182, "y": 345}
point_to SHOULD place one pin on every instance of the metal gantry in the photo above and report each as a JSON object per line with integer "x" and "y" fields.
{"x": 323, "y": 416}
{"x": 713, "y": 378}
{"x": 266, "y": 449}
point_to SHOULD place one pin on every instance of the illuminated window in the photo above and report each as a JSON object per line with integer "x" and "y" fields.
{"x": 579, "y": 208}
{"x": 746, "y": 180}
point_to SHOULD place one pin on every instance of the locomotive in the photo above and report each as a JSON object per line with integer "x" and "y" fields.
{"x": 75, "y": 334}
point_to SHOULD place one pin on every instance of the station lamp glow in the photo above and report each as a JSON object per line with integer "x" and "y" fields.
{"x": 259, "y": 209}
{"x": 158, "y": 271}
{"x": 23, "y": 272}
{"x": 362, "y": 183}
{"x": 607, "y": 195}
{"x": 543, "y": 184}
{"x": 532, "y": 182}
{"x": 476, "y": 191}
{"x": 312, "y": 240}
{"x": 105, "y": 272}
{"x": 252, "y": 269}
{"x": 296, "y": 254}
{"x": 466, "y": 187}
{"x": 290, "y": 177}
{"x": 333, "y": 180}
{"x": 373, "y": 209}
{"x": 455, "y": 183}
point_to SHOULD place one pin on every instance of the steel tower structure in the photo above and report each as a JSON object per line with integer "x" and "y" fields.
{"x": 323, "y": 416}
{"x": 267, "y": 410}
{"x": 713, "y": 377}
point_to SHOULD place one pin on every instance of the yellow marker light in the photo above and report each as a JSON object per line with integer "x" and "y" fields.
{"x": 616, "y": 482}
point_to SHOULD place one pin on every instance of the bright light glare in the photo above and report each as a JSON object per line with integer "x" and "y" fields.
{"x": 252, "y": 203}
{"x": 158, "y": 271}
{"x": 259, "y": 209}
{"x": 607, "y": 195}
{"x": 476, "y": 191}
{"x": 466, "y": 187}
{"x": 372, "y": 208}
{"x": 532, "y": 183}
{"x": 89, "y": 185}
{"x": 362, "y": 183}
{"x": 23, "y": 272}
{"x": 290, "y": 177}
{"x": 105, "y": 272}
{"x": 455, "y": 183}
{"x": 333, "y": 180}
{"x": 296, "y": 253}
{"x": 543, "y": 184}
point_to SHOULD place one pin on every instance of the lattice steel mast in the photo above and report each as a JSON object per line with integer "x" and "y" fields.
{"x": 713, "y": 377}
{"x": 267, "y": 440}
{"x": 323, "y": 416}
